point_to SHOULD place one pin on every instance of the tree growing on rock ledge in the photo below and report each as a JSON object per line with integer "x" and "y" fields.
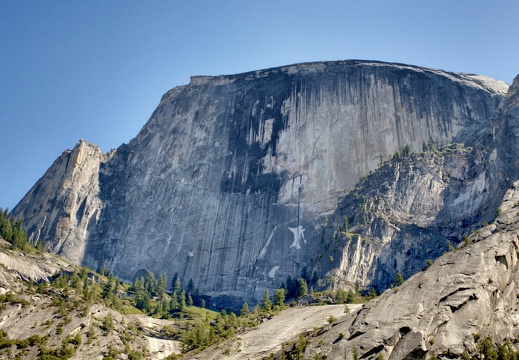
{"x": 399, "y": 279}
{"x": 279, "y": 298}
{"x": 267, "y": 304}
{"x": 244, "y": 309}
{"x": 303, "y": 288}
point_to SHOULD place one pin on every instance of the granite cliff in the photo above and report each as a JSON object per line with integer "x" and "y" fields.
{"x": 464, "y": 305}
{"x": 238, "y": 181}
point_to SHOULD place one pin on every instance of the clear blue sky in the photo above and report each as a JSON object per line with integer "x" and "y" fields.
{"x": 96, "y": 69}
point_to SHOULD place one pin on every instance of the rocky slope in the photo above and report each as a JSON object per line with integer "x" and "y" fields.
{"x": 407, "y": 212}
{"x": 468, "y": 293}
{"x": 35, "y": 317}
{"x": 270, "y": 337}
{"x": 236, "y": 181}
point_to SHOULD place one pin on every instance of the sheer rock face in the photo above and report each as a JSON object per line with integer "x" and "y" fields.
{"x": 405, "y": 214}
{"x": 230, "y": 181}
{"x": 507, "y": 133}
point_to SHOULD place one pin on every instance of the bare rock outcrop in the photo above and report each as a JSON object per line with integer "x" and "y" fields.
{"x": 272, "y": 335}
{"x": 44, "y": 319}
{"x": 407, "y": 213}
{"x": 466, "y": 293}
{"x": 29, "y": 267}
{"x": 63, "y": 207}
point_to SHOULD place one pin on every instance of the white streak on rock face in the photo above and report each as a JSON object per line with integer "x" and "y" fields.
{"x": 264, "y": 248}
{"x": 272, "y": 272}
{"x": 299, "y": 233}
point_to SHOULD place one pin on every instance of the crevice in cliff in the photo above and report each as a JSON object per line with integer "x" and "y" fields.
{"x": 454, "y": 292}
{"x": 455, "y": 308}
{"x": 81, "y": 210}
{"x": 502, "y": 259}
{"x": 356, "y": 334}
{"x": 372, "y": 351}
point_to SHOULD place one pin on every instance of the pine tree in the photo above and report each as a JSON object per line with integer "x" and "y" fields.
{"x": 161, "y": 286}
{"x": 350, "y": 297}
{"x": 279, "y": 298}
{"x": 6, "y": 230}
{"x": 174, "y": 280}
{"x": 267, "y": 304}
{"x": 108, "y": 287}
{"x": 487, "y": 349}
{"x": 303, "y": 288}
{"x": 406, "y": 151}
{"x": 340, "y": 296}
{"x": 355, "y": 353}
{"x": 190, "y": 286}
{"x": 304, "y": 274}
{"x": 159, "y": 309}
{"x": 256, "y": 310}
{"x": 165, "y": 308}
{"x": 19, "y": 239}
{"x": 142, "y": 297}
{"x": 103, "y": 270}
{"x": 108, "y": 323}
{"x": 504, "y": 352}
{"x": 231, "y": 324}
{"x": 289, "y": 286}
{"x": 244, "y": 309}
{"x": 182, "y": 302}
{"x": 150, "y": 283}
{"x": 173, "y": 303}
{"x": 372, "y": 294}
{"x": 358, "y": 287}
{"x": 177, "y": 287}
{"x": 219, "y": 324}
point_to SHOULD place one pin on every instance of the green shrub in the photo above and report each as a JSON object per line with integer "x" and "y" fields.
{"x": 108, "y": 323}
{"x": 399, "y": 279}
